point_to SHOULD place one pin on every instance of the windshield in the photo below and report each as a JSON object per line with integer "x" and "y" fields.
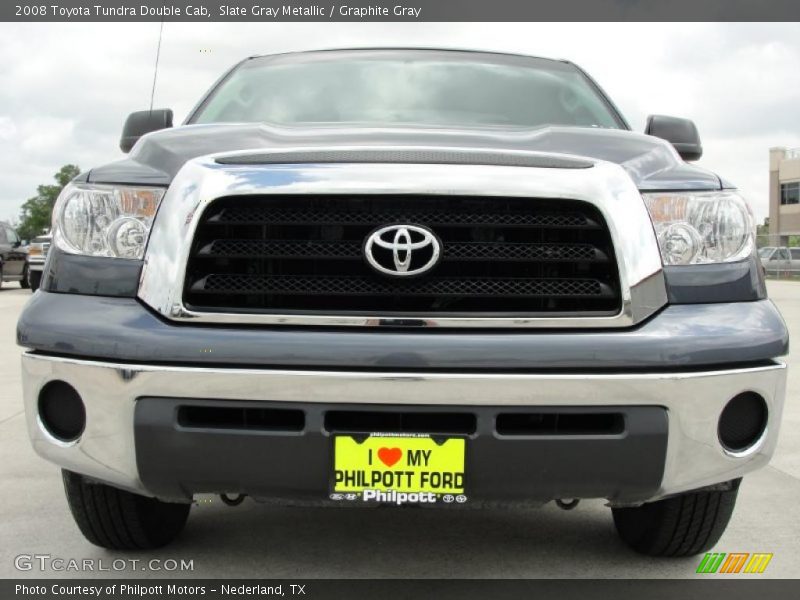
{"x": 765, "y": 252}
{"x": 437, "y": 89}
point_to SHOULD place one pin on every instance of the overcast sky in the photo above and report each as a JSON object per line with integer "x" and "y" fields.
{"x": 65, "y": 89}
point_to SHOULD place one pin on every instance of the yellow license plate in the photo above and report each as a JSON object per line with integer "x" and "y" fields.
{"x": 398, "y": 469}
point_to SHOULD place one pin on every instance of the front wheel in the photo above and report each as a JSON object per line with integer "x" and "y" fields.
{"x": 34, "y": 280}
{"x": 119, "y": 520}
{"x": 24, "y": 282}
{"x": 682, "y": 525}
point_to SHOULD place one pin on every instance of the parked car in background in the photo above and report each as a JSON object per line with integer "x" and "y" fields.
{"x": 13, "y": 263}
{"x": 779, "y": 259}
{"x": 37, "y": 255}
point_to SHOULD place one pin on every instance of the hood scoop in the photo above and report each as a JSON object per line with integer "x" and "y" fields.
{"x": 431, "y": 155}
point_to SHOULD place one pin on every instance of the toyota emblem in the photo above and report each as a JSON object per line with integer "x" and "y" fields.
{"x": 402, "y": 250}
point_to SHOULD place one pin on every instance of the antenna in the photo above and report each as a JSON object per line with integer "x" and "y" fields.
{"x": 155, "y": 70}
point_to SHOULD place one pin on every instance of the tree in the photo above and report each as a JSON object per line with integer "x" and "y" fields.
{"x": 762, "y": 234}
{"x": 36, "y": 214}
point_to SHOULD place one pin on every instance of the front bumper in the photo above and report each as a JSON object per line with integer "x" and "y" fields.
{"x": 133, "y": 440}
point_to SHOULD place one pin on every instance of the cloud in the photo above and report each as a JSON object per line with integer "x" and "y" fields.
{"x": 45, "y": 136}
{"x": 67, "y": 87}
{"x": 8, "y": 129}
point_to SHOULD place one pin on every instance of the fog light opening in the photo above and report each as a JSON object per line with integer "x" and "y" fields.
{"x": 742, "y": 422}
{"x": 61, "y": 411}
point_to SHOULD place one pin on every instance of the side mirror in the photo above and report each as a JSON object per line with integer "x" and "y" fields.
{"x": 141, "y": 122}
{"x": 681, "y": 133}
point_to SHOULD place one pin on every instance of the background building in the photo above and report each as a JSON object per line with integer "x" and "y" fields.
{"x": 784, "y": 195}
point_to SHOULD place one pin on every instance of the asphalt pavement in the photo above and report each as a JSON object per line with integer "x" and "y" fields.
{"x": 254, "y": 540}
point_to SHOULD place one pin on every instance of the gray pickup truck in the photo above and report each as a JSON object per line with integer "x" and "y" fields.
{"x": 13, "y": 252}
{"x": 404, "y": 277}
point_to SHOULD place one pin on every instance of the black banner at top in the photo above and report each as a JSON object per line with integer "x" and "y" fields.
{"x": 399, "y": 10}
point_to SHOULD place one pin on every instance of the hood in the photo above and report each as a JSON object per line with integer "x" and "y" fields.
{"x": 651, "y": 162}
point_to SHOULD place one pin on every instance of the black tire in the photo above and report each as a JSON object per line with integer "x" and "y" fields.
{"x": 119, "y": 520}
{"x": 683, "y": 525}
{"x": 34, "y": 280}
{"x": 23, "y": 283}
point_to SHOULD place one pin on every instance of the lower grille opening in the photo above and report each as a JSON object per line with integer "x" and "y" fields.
{"x": 251, "y": 419}
{"x": 560, "y": 424}
{"x": 346, "y": 421}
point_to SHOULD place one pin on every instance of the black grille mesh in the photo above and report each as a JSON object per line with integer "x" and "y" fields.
{"x": 362, "y": 286}
{"x": 270, "y": 215}
{"x": 320, "y": 249}
{"x": 305, "y": 253}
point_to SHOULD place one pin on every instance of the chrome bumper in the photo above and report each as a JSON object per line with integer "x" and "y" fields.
{"x": 694, "y": 400}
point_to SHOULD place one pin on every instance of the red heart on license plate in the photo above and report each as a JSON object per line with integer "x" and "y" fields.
{"x": 389, "y": 456}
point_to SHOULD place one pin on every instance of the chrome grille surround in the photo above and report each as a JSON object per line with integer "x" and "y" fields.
{"x": 605, "y": 185}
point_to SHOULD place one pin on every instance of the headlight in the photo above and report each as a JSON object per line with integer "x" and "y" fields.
{"x": 701, "y": 227}
{"x": 105, "y": 220}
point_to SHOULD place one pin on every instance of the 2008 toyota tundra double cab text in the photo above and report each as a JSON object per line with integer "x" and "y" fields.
{"x": 404, "y": 276}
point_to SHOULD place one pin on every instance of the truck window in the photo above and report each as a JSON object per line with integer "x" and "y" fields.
{"x": 413, "y": 90}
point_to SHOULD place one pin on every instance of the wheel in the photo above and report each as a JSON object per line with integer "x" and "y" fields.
{"x": 23, "y": 283}
{"x": 34, "y": 280}
{"x": 119, "y": 520}
{"x": 682, "y": 525}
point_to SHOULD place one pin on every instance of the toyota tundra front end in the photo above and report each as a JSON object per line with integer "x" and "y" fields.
{"x": 442, "y": 278}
